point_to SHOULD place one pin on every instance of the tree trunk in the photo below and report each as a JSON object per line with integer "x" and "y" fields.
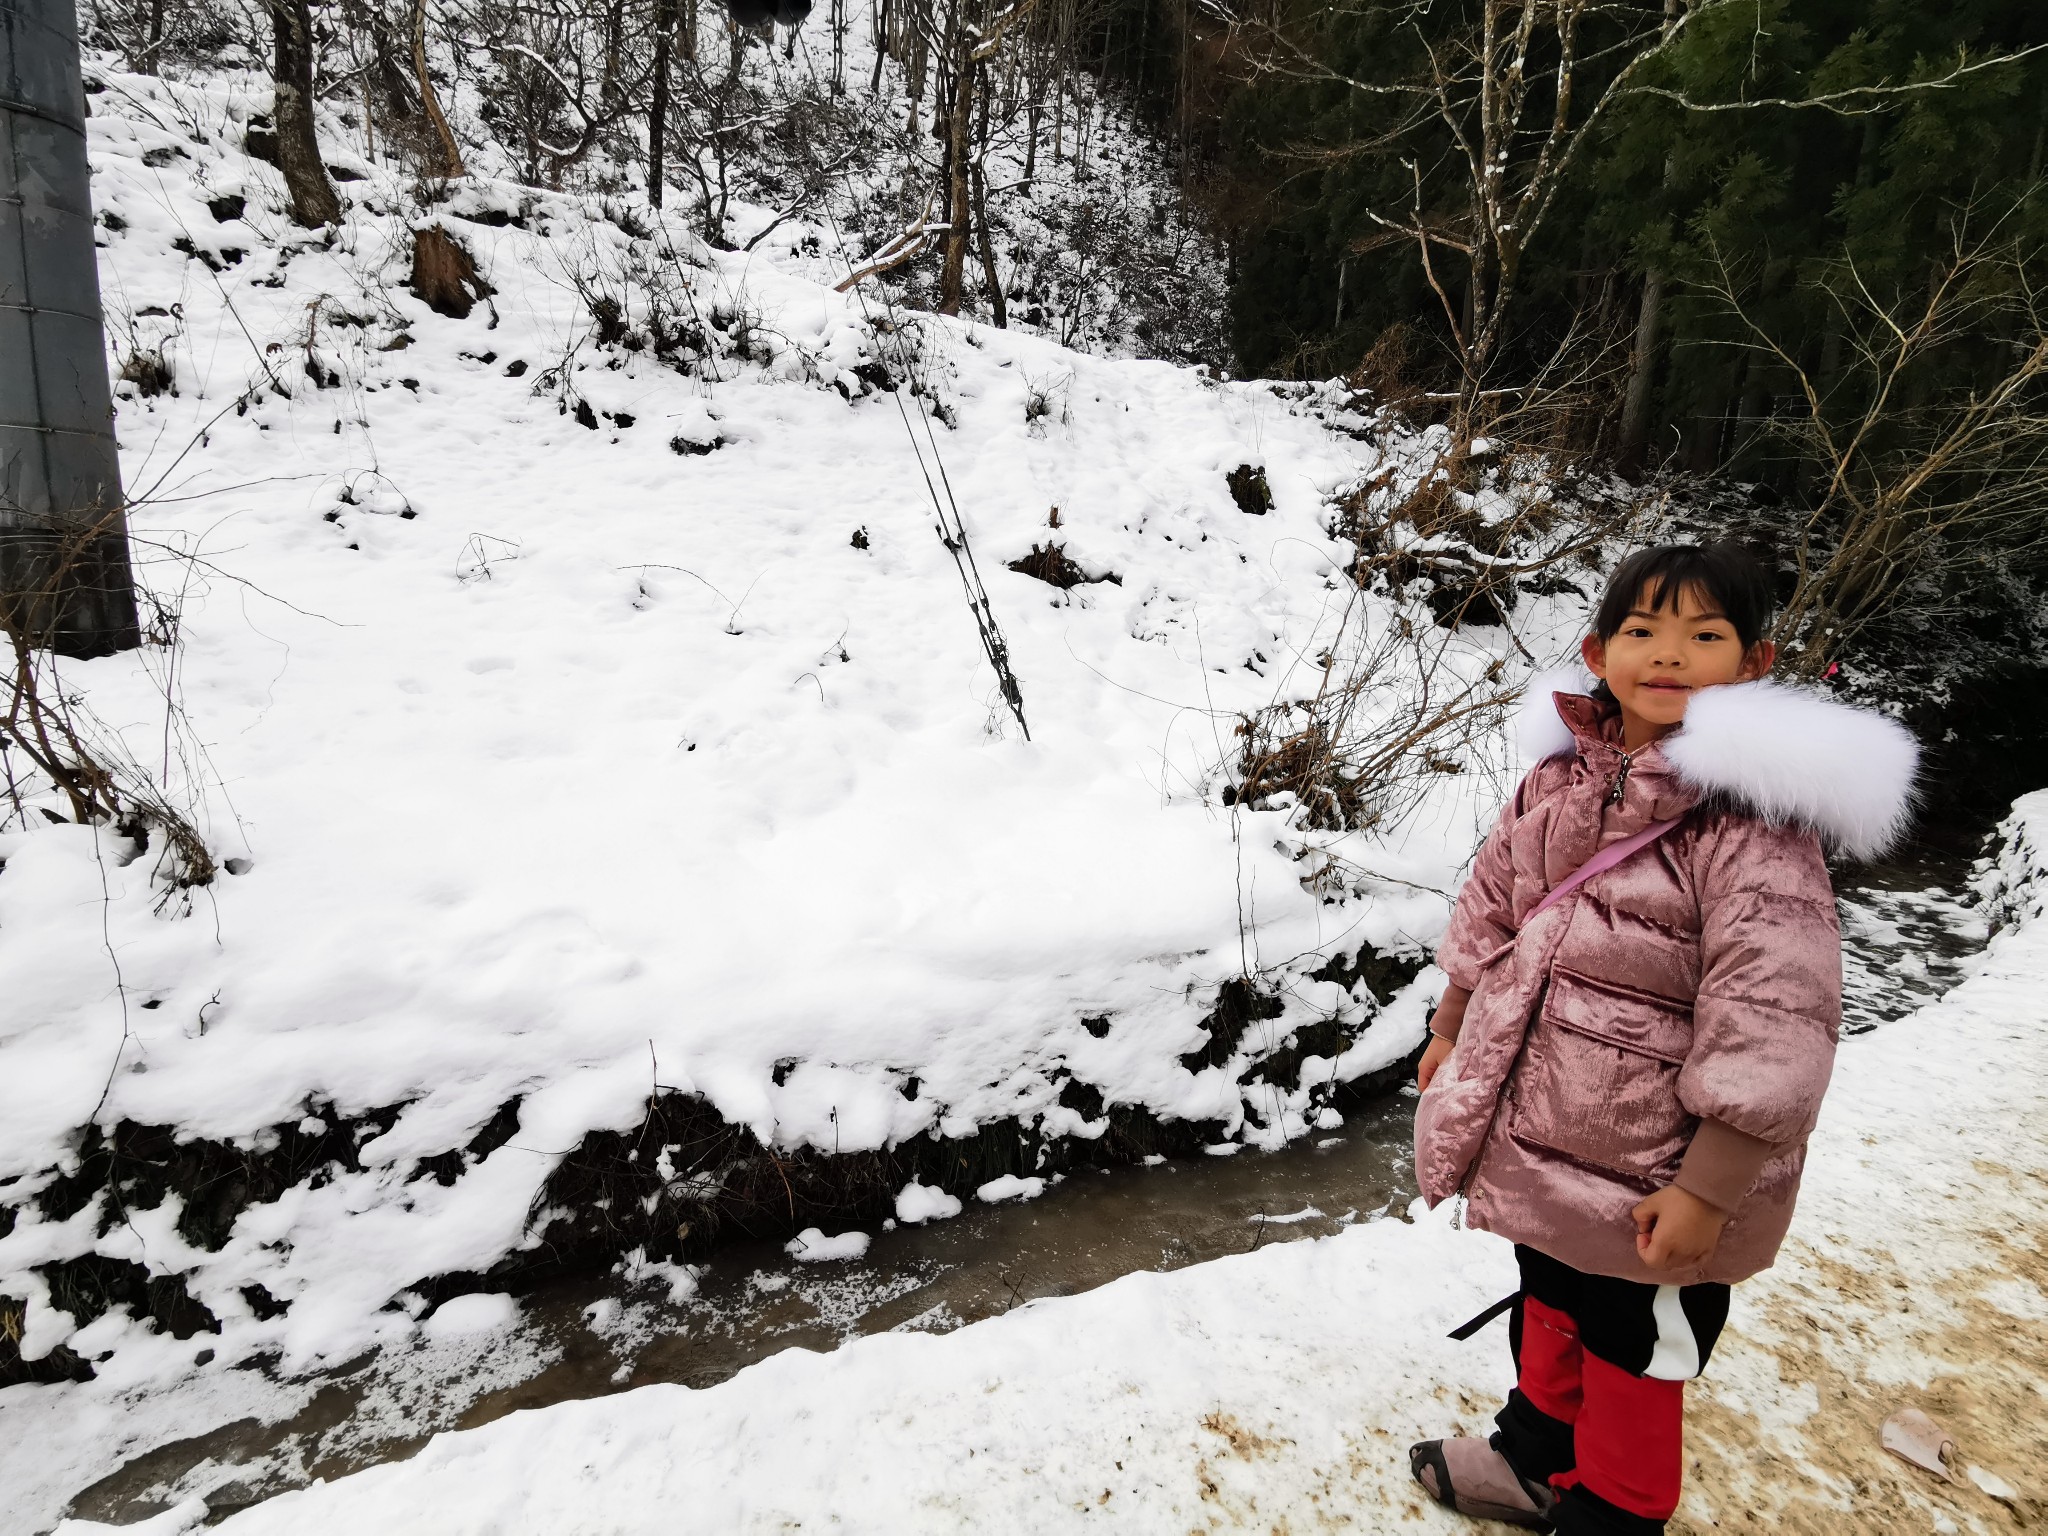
{"x": 959, "y": 154}
{"x": 657, "y": 107}
{"x": 1642, "y": 362}
{"x": 451, "y": 156}
{"x": 953, "y": 275}
{"x": 1751, "y": 403}
{"x": 919, "y": 63}
{"x": 156, "y": 37}
{"x": 298, "y": 152}
{"x": 998, "y": 303}
{"x": 689, "y": 31}
{"x": 1632, "y": 447}
{"x": 614, "y": 29}
{"x": 1702, "y": 442}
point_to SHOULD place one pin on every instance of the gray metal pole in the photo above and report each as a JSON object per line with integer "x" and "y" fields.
{"x": 65, "y": 580}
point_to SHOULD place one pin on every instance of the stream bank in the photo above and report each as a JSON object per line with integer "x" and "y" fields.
{"x": 1911, "y": 930}
{"x": 1909, "y": 934}
{"x": 1277, "y": 1388}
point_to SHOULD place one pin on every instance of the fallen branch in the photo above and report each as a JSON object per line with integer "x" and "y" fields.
{"x": 906, "y": 246}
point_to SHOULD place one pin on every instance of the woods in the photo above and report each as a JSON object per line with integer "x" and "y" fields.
{"x": 1784, "y": 255}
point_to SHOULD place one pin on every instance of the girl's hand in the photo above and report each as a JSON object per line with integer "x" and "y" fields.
{"x": 1676, "y": 1229}
{"x": 1432, "y": 1058}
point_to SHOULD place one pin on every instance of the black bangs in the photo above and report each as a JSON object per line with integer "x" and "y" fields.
{"x": 1729, "y": 575}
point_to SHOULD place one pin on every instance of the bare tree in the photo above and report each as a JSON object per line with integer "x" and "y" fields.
{"x": 969, "y": 46}
{"x": 451, "y": 155}
{"x": 1932, "y": 438}
{"x": 1633, "y": 440}
{"x": 657, "y": 107}
{"x": 314, "y": 201}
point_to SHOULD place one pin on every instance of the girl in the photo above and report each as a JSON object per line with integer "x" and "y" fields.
{"x": 1645, "y": 990}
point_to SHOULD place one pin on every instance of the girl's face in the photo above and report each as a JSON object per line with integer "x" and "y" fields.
{"x": 1660, "y": 658}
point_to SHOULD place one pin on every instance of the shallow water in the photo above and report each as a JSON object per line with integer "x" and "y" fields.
{"x": 599, "y": 1334}
{"x": 1907, "y": 938}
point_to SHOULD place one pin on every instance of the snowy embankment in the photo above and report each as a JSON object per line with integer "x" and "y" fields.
{"x": 1279, "y": 1389}
{"x": 587, "y": 715}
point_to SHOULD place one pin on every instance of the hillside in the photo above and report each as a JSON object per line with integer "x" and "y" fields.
{"x": 594, "y": 741}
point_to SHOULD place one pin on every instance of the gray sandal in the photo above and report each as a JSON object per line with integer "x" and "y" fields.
{"x": 1473, "y": 1478}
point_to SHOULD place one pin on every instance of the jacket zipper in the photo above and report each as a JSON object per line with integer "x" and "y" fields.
{"x": 1620, "y": 784}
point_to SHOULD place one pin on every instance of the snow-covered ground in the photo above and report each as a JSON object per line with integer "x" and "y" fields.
{"x": 574, "y": 721}
{"x": 1276, "y": 1391}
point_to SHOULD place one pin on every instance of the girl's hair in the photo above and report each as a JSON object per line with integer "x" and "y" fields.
{"x": 1731, "y": 578}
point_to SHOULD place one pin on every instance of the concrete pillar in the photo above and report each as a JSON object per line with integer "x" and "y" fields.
{"x": 65, "y": 579}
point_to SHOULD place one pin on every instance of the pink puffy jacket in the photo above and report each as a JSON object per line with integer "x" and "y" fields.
{"x": 1673, "y": 1018}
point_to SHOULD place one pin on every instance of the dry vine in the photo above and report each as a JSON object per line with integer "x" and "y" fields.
{"x": 73, "y": 760}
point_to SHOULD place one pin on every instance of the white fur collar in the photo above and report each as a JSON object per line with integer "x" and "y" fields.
{"x": 1786, "y": 753}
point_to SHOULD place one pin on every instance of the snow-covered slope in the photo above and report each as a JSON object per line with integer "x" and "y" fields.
{"x": 585, "y": 722}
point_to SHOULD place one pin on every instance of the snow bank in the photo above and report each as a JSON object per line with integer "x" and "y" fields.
{"x": 1279, "y": 1389}
{"x": 2013, "y": 883}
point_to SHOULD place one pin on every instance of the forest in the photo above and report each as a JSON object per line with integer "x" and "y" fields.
{"x": 1782, "y": 259}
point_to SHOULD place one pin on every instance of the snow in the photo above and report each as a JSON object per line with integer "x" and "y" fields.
{"x": 551, "y": 766}
{"x": 812, "y": 1246}
{"x": 1306, "y": 1213}
{"x": 1279, "y": 1388}
{"x": 480, "y": 1313}
{"x": 1010, "y": 1187}
{"x": 923, "y": 1202}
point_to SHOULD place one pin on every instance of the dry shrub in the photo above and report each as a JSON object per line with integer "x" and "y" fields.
{"x": 149, "y": 371}
{"x": 1049, "y": 564}
{"x": 1304, "y": 763}
{"x": 1452, "y": 534}
{"x": 1389, "y": 718}
{"x": 1388, "y": 372}
{"x": 1467, "y": 527}
{"x": 53, "y": 751}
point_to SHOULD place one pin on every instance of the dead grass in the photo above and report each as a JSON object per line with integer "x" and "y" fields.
{"x": 1049, "y": 563}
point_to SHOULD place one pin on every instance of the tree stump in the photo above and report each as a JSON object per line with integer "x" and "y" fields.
{"x": 444, "y": 275}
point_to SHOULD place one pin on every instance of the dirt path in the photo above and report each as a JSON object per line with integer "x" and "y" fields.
{"x": 1920, "y": 1278}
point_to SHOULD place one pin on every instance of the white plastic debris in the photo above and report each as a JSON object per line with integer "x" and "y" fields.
{"x": 1912, "y": 1436}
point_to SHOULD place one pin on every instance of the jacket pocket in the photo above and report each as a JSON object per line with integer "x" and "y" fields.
{"x": 1598, "y": 1080}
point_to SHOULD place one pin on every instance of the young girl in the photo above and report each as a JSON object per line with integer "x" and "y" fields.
{"x": 1645, "y": 991}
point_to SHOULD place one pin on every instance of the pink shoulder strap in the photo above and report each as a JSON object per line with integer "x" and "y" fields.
{"x": 1605, "y": 859}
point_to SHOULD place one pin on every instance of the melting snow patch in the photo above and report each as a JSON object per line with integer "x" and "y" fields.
{"x": 812, "y": 1246}
{"x": 923, "y": 1202}
{"x": 1010, "y": 1187}
{"x": 485, "y": 1312}
{"x": 1306, "y": 1213}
